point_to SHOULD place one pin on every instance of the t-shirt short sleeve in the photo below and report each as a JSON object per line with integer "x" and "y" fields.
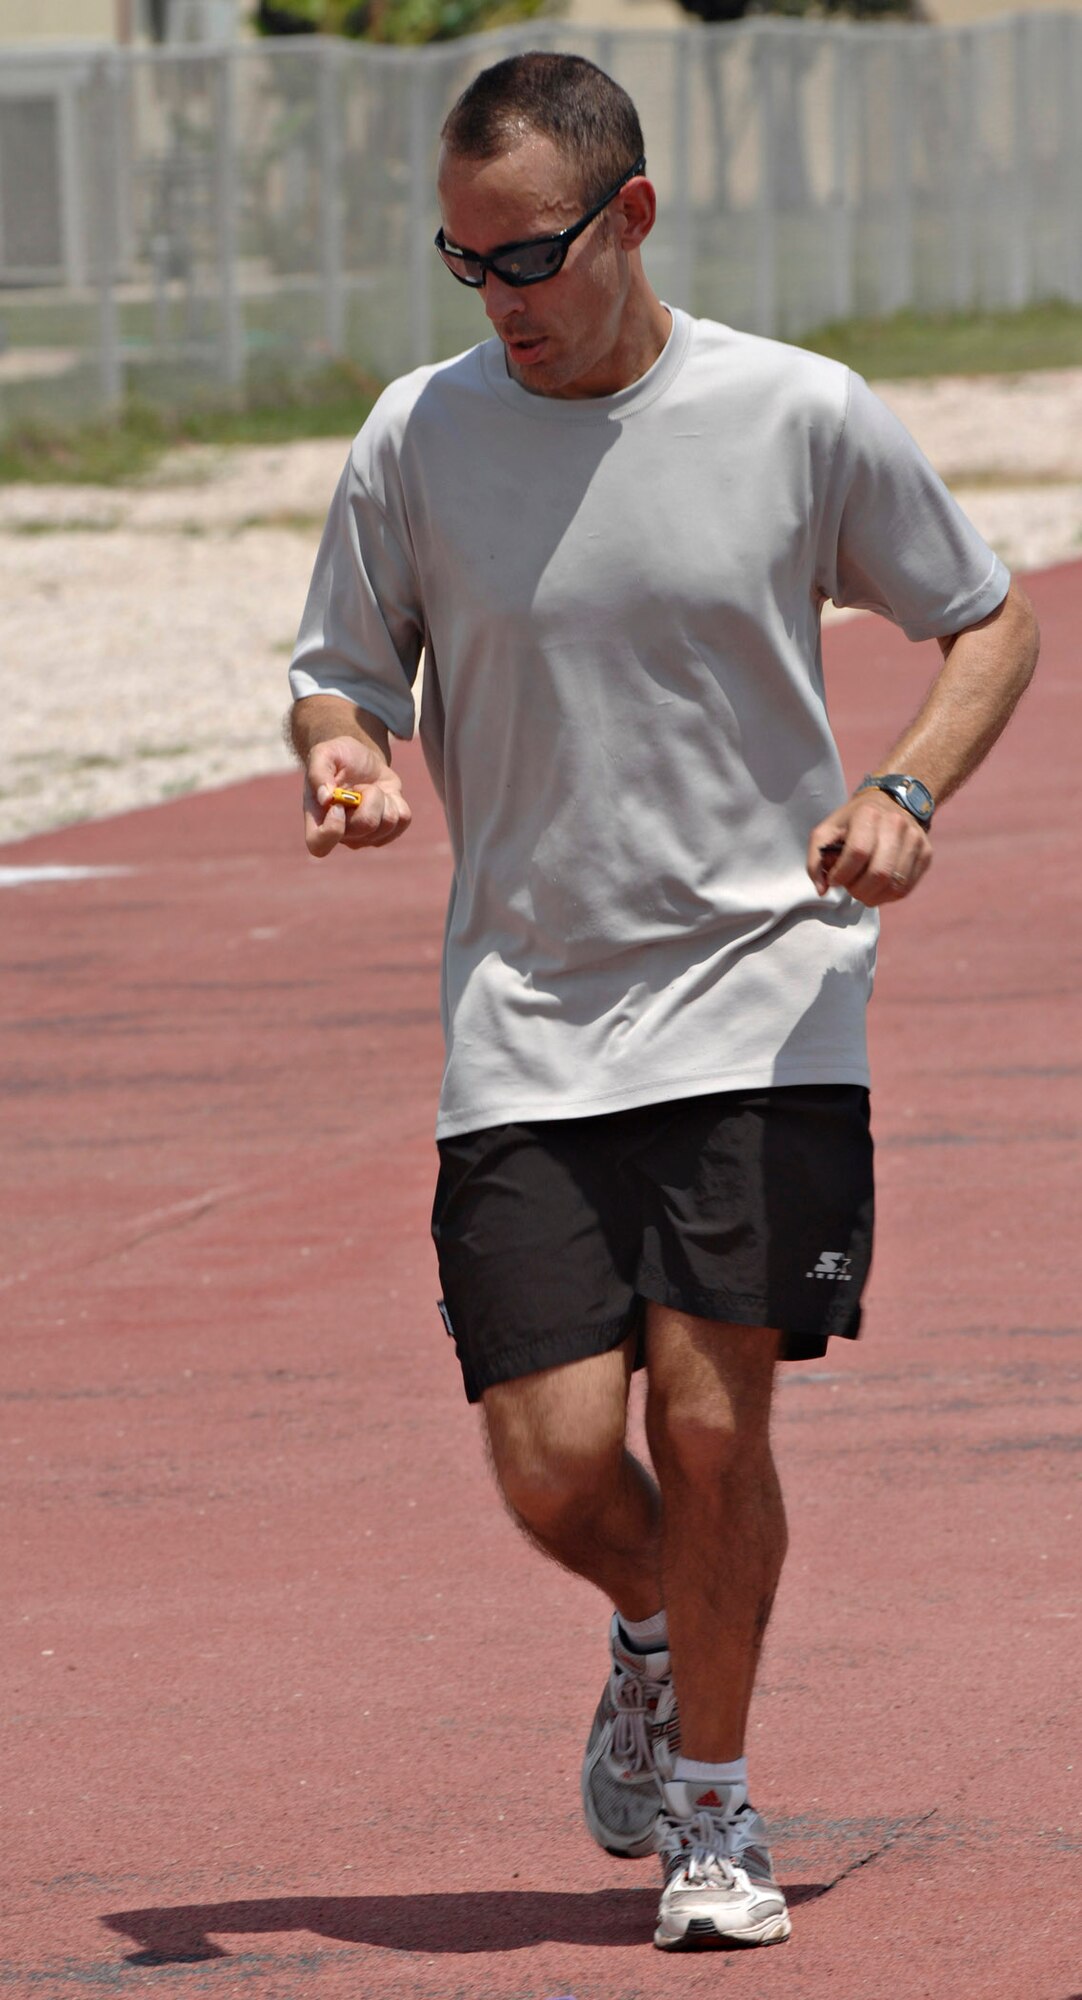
{"x": 892, "y": 537}
{"x": 362, "y": 630}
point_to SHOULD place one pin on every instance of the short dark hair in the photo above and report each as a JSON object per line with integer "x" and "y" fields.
{"x": 567, "y": 99}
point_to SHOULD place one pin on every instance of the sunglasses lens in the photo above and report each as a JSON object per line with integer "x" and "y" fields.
{"x": 530, "y": 261}
{"x": 466, "y": 269}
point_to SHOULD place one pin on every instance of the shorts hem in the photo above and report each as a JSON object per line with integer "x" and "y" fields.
{"x": 798, "y": 1343}
{"x": 533, "y": 1357}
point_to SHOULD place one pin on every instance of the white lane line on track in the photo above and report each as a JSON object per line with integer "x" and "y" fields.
{"x": 21, "y": 878}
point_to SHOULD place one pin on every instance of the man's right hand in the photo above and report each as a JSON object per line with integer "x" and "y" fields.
{"x": 344, "y": 763}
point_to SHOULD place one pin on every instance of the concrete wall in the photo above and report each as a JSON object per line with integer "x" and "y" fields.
{"x": 669, "y": 14}
{"x": 30, "y": 23}
{"x": 958, "y": 13}
{"x": 60, "y": 20}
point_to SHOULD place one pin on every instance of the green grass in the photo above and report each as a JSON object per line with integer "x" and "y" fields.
{"x": 289, "y": 519}
{"x": 1008, "y": 343}
{"x": 101, "y": 524}
{"x": 332, "y": 403}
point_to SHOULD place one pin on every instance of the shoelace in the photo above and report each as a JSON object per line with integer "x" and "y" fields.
{"x": 744, "y": 1846}
{"x": 696, "y": 1848}
{"x": 635, "y": 1699}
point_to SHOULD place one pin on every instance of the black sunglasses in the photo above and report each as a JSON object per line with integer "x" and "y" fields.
{"x": 527, "y": 263}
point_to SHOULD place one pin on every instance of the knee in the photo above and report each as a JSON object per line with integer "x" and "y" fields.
{"x": 702, "y": 1449}
{"x": 556, "y": 1441}
{"x": 551, "y": 1488}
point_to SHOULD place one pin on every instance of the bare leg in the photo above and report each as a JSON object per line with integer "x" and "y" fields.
{"x": 557, "y": 1442}
{"x": 708, "y": 1422}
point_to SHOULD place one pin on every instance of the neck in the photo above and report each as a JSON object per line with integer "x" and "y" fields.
{"x": 642, "y": 340}
{"x": 644, "y": 328}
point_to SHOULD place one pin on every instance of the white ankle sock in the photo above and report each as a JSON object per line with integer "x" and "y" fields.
{"x": 645, "y": 1635}
{"x": 730, "y": 1781}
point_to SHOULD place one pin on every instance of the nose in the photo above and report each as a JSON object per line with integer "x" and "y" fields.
{"x": 501, "y": 300}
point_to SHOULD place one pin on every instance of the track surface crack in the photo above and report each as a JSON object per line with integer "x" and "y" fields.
{"x": 156, "y": 1222}
{"x": 164, "y": 1221}
{"x": 875, "y": 1853}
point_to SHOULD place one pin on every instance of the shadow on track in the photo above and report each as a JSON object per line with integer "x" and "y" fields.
{"x": 471, "y": 1921}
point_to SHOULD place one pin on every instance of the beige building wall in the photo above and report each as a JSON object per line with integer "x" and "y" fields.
{"x": 669, "y": 14}
{"x": 958, "y": 13}
{"x": 61, "y": 20}
{"x": 36, "y": 23}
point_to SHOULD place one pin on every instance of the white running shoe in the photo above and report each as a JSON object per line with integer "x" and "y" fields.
{"x": 719, "y": 1879}
{"x": 633, "y": 1739}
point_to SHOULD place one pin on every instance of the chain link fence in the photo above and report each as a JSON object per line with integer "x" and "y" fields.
{"x": 177, "y": 223}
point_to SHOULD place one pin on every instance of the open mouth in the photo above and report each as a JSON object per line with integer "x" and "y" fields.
{"x": 526, "y": 350}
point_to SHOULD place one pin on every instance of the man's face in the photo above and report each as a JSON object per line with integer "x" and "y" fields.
{"x": 561, "y": 337}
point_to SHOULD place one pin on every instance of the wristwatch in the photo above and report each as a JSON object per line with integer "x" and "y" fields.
{"x": 909, "y": 792}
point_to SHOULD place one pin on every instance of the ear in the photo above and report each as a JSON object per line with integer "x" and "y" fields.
{"x": 634, "y": 212}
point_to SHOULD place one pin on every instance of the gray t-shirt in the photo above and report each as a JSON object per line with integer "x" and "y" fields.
{"x": 623, "y": 708}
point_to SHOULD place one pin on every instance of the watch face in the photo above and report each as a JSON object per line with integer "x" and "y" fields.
{"x": 906, "y": 791}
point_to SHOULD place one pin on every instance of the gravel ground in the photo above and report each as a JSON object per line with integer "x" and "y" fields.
{"x": 149, "y": 627}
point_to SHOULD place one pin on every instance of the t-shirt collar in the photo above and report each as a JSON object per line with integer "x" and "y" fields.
{"x": 590, "y": 409}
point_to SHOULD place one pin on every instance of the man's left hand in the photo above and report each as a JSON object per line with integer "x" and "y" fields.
{"x": 870, "y": 846}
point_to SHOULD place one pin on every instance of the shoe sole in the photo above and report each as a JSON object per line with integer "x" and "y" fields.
{"x": 702, "y": 1934}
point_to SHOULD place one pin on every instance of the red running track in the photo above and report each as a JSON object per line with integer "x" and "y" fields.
{"x": 289, "y": 1708}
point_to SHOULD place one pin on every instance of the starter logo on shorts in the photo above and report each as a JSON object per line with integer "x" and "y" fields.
{"x": 833, "y": 1264}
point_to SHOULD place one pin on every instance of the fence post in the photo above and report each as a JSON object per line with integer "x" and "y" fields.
{"x": 965, "y": 177}
{"x": 106, "y": 179}
{"x": 1071, "y": 177}
{"x": 898, "y": 276}
{"x": 841, "y": 233}
{"x": 231, "y": 324}
{"x": 766, "y": 286}
{"x": 682, "y": 208}
{"x": 419, "y": 214}
{"x": 331, "y": 151}
{"x": 1019, "y": 262}
{"x": 76, "y": 185}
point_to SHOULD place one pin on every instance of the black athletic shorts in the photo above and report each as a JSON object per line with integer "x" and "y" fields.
{"x": 749, "y": 1206}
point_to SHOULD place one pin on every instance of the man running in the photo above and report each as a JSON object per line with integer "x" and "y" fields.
{"x": 611, "y": 529}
